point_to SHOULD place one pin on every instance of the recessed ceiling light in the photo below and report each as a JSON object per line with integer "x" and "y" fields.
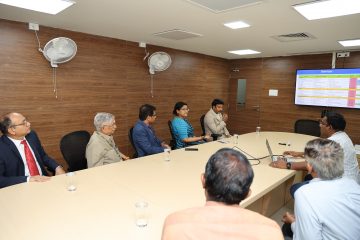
{"x": 236, "y": 25}
{"x": 350, "y": 43}
{"x": 328, "y": 8}
{"x": 244, "y": 52}
{"x": 45, "y": 6}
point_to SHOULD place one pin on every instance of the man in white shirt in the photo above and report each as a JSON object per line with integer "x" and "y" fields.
{"x": 332, "y": 126}
{"x": 329, "y": 206}
{"x": 215, "y": 120}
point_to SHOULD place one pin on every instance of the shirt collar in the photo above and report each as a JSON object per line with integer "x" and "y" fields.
{"x": 107, "y": 137}
{"x": 17, "y": 142}
{"x": 213, "y": 112}
{"x": 335, "y": 133}
{"x": 144, "y": 124}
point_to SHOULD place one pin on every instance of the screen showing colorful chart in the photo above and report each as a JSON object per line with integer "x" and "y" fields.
{"x": 328, "y": 87}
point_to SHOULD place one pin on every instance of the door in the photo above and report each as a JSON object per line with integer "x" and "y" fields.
{"x": 244, "y": 116}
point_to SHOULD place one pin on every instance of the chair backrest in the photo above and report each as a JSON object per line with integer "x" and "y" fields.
{"x": 73, "y": 148}
{"x": 172, "y": 141}
{"x": 308, "y": 127}
{"x": 130, "y": 134}
{"x": 202, "y": 124}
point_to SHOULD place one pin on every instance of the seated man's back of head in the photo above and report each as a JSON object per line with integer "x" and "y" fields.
{"x": 227, "y": 179}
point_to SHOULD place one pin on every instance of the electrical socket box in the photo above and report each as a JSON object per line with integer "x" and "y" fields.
{"x": 342, "y": 54}
{"x": 34, "y": 26}
{"x": 273, "y": 92}
{"x": 142, "y": 44}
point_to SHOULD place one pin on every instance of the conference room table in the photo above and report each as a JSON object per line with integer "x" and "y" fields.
{"x": 102, "y": 207}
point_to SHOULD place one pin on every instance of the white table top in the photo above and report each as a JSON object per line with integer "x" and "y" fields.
{"x": 102, "y": 207}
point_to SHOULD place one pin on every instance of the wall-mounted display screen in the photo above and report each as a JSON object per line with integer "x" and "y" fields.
{"x": 328, "y": 87}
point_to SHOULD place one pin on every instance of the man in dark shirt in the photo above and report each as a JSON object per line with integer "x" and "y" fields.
{"x": 145, "y": 140}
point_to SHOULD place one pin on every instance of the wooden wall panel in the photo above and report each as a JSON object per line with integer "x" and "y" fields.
{"x": 106, "y": 75}
{"x": 280, "y": 113}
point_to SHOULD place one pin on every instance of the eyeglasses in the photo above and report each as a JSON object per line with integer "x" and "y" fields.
{"x": 24, "y": 122}
{"x": 185, "y": 109}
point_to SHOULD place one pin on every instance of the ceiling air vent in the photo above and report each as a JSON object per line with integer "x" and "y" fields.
{"x": 218, "y": 6}
{"x": 177, "y": 34}
{"x": 293, "y": 37}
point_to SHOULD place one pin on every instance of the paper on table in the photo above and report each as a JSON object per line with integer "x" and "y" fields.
{"x": 224, "y": 141}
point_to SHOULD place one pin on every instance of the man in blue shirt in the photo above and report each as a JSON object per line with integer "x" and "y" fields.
{"x": 145, "y": 140}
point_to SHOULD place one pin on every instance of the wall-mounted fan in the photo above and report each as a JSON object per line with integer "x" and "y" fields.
{"x": 159, "y": 61}
{"x": 59, "y": 50}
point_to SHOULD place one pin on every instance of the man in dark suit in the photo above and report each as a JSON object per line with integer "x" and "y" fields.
{"x": 22, "y": 158}
{"x": 145, "y": 140}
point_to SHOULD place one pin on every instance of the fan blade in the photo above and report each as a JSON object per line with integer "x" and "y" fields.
{"x": 165, "y": 58}
{"x": 160, "y": 65}
{"x": 154, "y": 59}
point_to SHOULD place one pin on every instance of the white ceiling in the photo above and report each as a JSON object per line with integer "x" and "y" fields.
{"x": 138, "y": 20}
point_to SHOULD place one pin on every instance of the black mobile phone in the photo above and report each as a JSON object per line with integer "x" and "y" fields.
{"x": 191, "y": 149}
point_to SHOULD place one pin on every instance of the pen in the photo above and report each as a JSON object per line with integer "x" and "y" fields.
{"x": 284, "y": 144}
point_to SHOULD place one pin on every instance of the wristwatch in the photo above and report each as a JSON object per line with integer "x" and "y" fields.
{"x": 288, "y": 165}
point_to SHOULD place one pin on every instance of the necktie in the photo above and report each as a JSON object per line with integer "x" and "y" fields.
{"x": 30, "y": 160}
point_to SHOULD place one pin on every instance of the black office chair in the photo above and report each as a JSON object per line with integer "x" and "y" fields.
{"x": 202, "y": 124}
{"x": 130, "y": 134}
{"x": 308, "y": 127}
{"x": 172, "y": 141}
{"x": 73, "y": 148}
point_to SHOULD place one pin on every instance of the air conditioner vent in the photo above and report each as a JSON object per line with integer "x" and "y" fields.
{"x": 177, "y": 34}
{"x": 293, "y": 37}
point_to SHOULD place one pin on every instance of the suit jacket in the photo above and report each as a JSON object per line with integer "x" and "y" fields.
{"x": 12, "y": 170}
{"x": 145, "y": 140}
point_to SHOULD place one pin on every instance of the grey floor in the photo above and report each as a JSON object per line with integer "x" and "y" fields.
{"x": 277, "y": 216}
{"x": 289, "y": 207}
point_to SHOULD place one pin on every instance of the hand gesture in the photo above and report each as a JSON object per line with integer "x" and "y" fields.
{"x": 225, "y": 117}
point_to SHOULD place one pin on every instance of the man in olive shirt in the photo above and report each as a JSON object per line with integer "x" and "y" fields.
{"x": 101, "y": 148}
